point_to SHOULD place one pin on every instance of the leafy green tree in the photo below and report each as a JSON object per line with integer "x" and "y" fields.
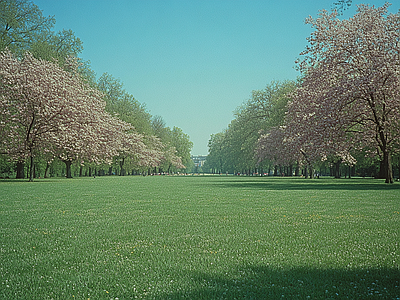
{"x": 56, "y": 46}
{"x": 216, "y": 147}
{"x": 265, "y": 110}
{"x": 182, "y": 144}
{"x": 124, "y": 105}
{"x": 21, "y": 24}
{"x": 160, "y": 129}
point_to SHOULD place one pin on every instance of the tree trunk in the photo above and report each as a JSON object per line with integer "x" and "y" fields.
{"x": 381, "y": 172}
{"x": 20, "y": 170}
{"x": 311, "y": 172}
{"x": 46, "y": 171}
{"x": 387, "y": 167}
{"x": 31, "y": 169}
{"x": 398, "y": 170}
{"x": 121, "y": 165}
{"x": 81, "y": 171}
{"x": 68, "y": 164}
{"x": 337, "y": 169}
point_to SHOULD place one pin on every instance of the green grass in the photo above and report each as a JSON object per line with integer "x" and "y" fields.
{"x": 199, "y": 238}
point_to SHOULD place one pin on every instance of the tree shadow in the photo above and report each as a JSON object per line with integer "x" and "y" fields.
{"x": 264, "y": 183}
{"x": 261, "y": 282}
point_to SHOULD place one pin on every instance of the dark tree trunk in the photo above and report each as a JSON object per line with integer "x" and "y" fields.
{"x": 398, "y": 170}
{"x": 387, "y": 167}
{"x": 46, "y": 172}
{"x": 337, "y": 169}
{"x": 20, "y": 170}
{"x": 110, "y": 171}
{"x": 68, "y": 164}
{"x": 121, "y": 166}
{"x": 381, "y": 172}
{"x": 90, "y": 172}
{"x": 311, "y": 172}
{"x": 32, "y": 168}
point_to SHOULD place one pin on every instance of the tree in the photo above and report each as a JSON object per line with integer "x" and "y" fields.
{"x": 21, "y": 23}
{"x": 35, "y": 104}
{"x": 216, "y": 148}
{"x": 273, "y": 147}
{"x": 56, "y": 46}
{"x": 342, "y": 5}
{"x": 160, "y": 128}
{"x": 123, "y": 104}
{"x": 350, "y": 94}
{"x": 24, "y": 28}
{"x": 182, "y": 144}
{"x": 46, "y": 110}
{"x": 264, "y": 111}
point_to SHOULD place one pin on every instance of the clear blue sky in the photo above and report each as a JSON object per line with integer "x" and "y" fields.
{"x": 192, "y": 62}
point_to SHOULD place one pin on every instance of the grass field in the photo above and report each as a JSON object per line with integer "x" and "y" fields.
{"x": 199, "y": 238}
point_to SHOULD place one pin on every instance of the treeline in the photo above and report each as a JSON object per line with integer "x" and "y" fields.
{"x": 233, "y": 150}
{"x": 341, "y": 118}
{"x": 57, "y": 119}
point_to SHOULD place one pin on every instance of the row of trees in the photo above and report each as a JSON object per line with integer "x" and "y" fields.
{"x": 233, "y": 150}
{"x": 52, "y": 106}
{"x": 345, "y": 108}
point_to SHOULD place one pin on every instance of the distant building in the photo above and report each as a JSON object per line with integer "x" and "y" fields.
{"x": 199, "y": 160}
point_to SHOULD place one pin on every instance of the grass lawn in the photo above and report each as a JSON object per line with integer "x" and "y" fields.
{"x": 199, "y": 238}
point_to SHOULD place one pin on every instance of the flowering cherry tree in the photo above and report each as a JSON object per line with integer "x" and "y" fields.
{"x": 36, "y": 102}
{"x": 273, "y": 147}
{"x": 350, "y": 94}
{"x": 49, "y": 110}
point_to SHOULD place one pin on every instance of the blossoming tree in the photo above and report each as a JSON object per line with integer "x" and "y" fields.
{"x": 45, "y": 109}
{"x": 350, "y": 94}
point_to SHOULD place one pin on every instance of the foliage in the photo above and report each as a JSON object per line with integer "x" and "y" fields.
{"x": 48, "y": 111}
{"x": 349, "y": 97}
{"x": 234, "y": 149}
{"x": 124, "y": 105}
{"x": 342, "y": 5}
{"x": 176, "y": 145}
{"x": 52, "y": 106}
{"x": 21, "y": 24}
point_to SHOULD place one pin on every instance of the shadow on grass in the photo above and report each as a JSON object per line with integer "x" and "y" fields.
{"x": 277, "y": 183}
{"x": 296, "y": 283}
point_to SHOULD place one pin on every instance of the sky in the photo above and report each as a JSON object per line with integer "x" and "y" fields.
{"x": 192, "y": 62}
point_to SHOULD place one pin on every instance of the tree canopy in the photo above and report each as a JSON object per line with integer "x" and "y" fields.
{"x": 345, "y": 106}
{"x": 52, "y": 106}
